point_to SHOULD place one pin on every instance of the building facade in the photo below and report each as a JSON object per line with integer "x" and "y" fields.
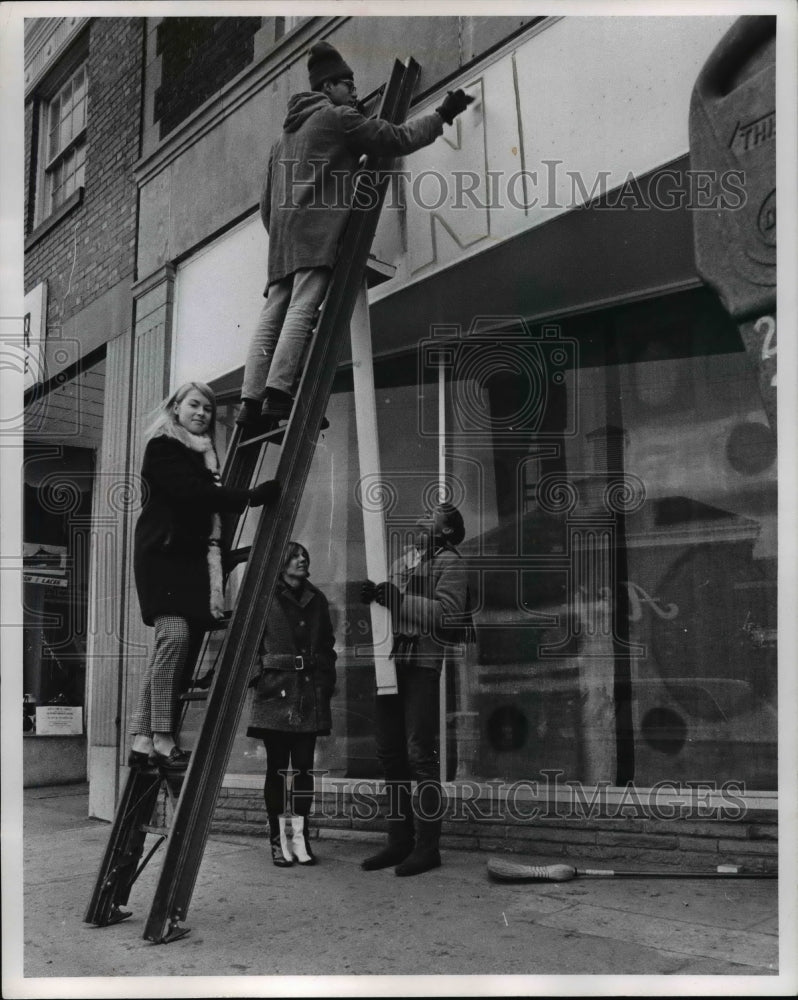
{"x": 82, "y": 121}
{"x": 548, "y": 357}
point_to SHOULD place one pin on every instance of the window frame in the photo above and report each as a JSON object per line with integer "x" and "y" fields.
{"x": 47, "y": 163}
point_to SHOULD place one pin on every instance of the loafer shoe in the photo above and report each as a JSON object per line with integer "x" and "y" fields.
{"x": 175, "y": 760}
{"x": 137, "y": 758}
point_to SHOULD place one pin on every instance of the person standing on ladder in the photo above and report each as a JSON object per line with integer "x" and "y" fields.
{"x": 304, "y": 206}
{"x": 291, "y": 706}
{"x": 177, "y": 559}
{"x": 429, "y": 608}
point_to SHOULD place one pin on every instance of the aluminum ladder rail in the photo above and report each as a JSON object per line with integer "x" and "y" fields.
{"x": 194, "y": 813}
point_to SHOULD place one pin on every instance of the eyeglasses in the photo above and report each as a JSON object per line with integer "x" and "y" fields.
{"x": 348, "y": 82}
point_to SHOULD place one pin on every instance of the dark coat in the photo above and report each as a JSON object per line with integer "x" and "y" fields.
{"x": 170, "y": 549}
{"x": 434, "y": 613}
{"x": 308, "y": 190}
{"x": 287, "y": 699}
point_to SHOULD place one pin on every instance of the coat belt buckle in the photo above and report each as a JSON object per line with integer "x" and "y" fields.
{"x": 299, "y": 663}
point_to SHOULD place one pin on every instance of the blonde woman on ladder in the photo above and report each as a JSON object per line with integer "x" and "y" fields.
{"x": 177, "y": 558}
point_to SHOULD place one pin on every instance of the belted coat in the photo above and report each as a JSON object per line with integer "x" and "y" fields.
{"x": 296, "y": 675}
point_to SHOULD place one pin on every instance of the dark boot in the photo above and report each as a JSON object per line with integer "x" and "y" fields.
{"x": 277, "y": 405}
{"x": 278, "y": 841}
{"x": 425, "y": 855}
{"x": 400, "y": 829}
{"x": 249, "y": 414}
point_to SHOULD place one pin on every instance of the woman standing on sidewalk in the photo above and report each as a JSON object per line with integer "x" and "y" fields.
{"x": 177, "y": 558}
{"x": 292, "y": 701}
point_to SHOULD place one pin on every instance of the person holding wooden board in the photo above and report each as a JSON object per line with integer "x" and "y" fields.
{"x": 429, "y": 608}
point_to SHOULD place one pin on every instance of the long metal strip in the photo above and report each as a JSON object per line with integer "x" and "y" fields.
{"x": 192, "y": 819}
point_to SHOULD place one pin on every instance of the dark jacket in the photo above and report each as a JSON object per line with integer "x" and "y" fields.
{"x": 288, "y": 699}
{"x": 434, "y": 613}
{"x": 170, "y": 549}
{"x": 307, "y": 194}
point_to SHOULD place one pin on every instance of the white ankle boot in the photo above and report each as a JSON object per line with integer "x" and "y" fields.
{"x": 299, "y": 845}
{"x": 285, "y": 843}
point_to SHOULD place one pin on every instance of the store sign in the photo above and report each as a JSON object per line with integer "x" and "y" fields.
{"x": 539, "y": 139}
{"x": 46, "y": 580}
{"x": 59, "y": 720}
{"x": 35, "y": 333}
{"x": 45, "y": 565}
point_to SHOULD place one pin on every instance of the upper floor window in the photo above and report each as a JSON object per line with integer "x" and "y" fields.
{"x": 64, "y": 142}
{"x": 199, "y": 55}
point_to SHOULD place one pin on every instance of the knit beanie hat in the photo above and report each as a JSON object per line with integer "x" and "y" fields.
{"x": 325, "y": 63}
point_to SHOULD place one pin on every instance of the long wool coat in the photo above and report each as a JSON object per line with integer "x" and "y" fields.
{"x": 288, "y": 699}
{"x": 170, "y": 550}
{"x": 308, "y": 190}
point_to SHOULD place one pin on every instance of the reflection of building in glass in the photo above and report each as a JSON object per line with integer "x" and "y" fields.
{"x": 547, "y": 355}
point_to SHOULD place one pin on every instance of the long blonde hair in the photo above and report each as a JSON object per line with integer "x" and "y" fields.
{"x": 164, "y": 421}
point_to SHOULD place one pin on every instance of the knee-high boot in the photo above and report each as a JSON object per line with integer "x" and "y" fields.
{"x": 401, "y": 838}
{"x": 428, "y": 820}
{"x": 425, "y": 854}
{"x": 278, "y": 841}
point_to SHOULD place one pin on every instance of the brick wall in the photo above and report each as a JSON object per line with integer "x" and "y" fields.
{"x": 198, "y": 56}
{"x": 699, "y": 843}
{"x": 92, "y": 247}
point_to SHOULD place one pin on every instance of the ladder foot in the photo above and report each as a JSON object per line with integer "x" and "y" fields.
{"x": 116, "y": 916}
{"x": 173, "y": 933}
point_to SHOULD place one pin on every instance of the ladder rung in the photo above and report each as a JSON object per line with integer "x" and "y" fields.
{"x": 237, "y": 556}
{"x": 221, "y": 624}
{"x": 196, "y": 694}
{"x": 274, "y": 436}
{"x": 159, "y": 831}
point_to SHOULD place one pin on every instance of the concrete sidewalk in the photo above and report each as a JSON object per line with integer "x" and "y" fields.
{"x": 249, "y": 918}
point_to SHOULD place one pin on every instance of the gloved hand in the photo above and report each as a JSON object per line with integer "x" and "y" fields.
{"x": 264, "y": 493}
{"x": 455, "y": 102}
{"x": 368, "y": 591}
{"x": 389, "y": 596}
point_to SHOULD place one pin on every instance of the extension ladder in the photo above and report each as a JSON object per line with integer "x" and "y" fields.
{"x": 193, "y": 795}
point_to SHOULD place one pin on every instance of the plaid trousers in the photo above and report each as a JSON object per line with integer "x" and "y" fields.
{"x": 156, "y": 708}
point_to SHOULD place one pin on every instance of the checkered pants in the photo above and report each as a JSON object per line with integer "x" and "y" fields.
{"x": 156, "y": 708}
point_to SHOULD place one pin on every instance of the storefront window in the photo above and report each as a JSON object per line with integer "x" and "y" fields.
{"x": 625, "y": 568}
{"x": 57, "y": 534}
{"x": 618, "y": 486}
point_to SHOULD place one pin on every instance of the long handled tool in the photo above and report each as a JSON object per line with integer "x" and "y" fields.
{"x": 504, "y": 870}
